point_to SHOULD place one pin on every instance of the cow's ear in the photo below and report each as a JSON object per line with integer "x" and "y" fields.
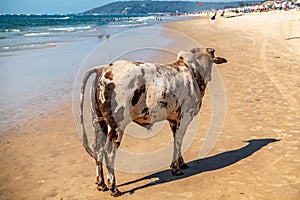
{"x": 219, "y": 60}
{"x": 211, "y": 52}
{"x": 195, "y": 50}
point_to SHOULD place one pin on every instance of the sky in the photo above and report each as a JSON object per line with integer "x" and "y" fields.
{"x": 55, "y": 6}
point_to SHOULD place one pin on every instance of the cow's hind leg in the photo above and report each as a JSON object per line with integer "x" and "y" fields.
{"x": 100, "y": 134}
{"x": 100, "y": 138}
{"x": 101, "y": 186}
{"x": 111, "y": 147}
{"x": 178, "y": 129}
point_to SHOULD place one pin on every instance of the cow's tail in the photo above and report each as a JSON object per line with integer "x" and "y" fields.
{"x": 98, "y": 72}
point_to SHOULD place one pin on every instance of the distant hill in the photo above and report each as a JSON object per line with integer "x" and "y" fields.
{"x": 148, "y": 6}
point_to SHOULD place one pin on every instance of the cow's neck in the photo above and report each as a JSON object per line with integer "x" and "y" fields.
{"x": 200, "y": 81}
{"x": 199, "y": 73}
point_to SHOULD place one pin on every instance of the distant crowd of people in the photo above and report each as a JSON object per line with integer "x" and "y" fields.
{"x": 268, "y": 6}
{"x": 264, "y": 7}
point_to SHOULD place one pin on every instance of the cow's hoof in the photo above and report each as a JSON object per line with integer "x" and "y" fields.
{"x": 184, "y": 166}
{"x": 177, "y": 172}
{"x": 116, "y": 193}
{"x": 102, "y": 187}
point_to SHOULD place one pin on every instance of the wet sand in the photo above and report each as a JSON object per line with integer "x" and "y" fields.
{"x": 256, "y": 156}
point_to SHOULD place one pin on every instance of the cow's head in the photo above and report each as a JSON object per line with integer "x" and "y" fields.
{"x": 202, "y": 54}
{"x": 201, "y": 59}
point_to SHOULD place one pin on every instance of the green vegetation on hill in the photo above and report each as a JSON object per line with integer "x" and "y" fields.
{"x": 146, "y": 7}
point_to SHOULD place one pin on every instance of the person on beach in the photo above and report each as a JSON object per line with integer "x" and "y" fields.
{"x": 222, "y": 14}
{"x": 214, "y": 16}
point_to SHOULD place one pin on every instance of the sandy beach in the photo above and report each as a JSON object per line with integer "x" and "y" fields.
{"x": 256, "y": 156}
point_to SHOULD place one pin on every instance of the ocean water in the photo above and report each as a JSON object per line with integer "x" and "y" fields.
{"x": 25, "y": 32}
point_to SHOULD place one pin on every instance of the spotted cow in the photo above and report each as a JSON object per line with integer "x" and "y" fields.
{"x": 144, "y": 93}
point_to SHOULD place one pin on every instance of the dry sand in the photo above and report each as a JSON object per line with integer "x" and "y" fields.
{"x": 44, "y": 159}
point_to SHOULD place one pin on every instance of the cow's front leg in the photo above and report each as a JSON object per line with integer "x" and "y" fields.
{"x": 182, "y": 164}
{"x": 178, "y": 129}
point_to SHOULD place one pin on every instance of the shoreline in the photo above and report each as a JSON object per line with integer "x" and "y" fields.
{"x": 261, "y": 104}
{"x": 37, "y": 80}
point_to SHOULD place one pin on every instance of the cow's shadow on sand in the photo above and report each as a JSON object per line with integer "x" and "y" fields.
{"x": 198, "y": 166}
